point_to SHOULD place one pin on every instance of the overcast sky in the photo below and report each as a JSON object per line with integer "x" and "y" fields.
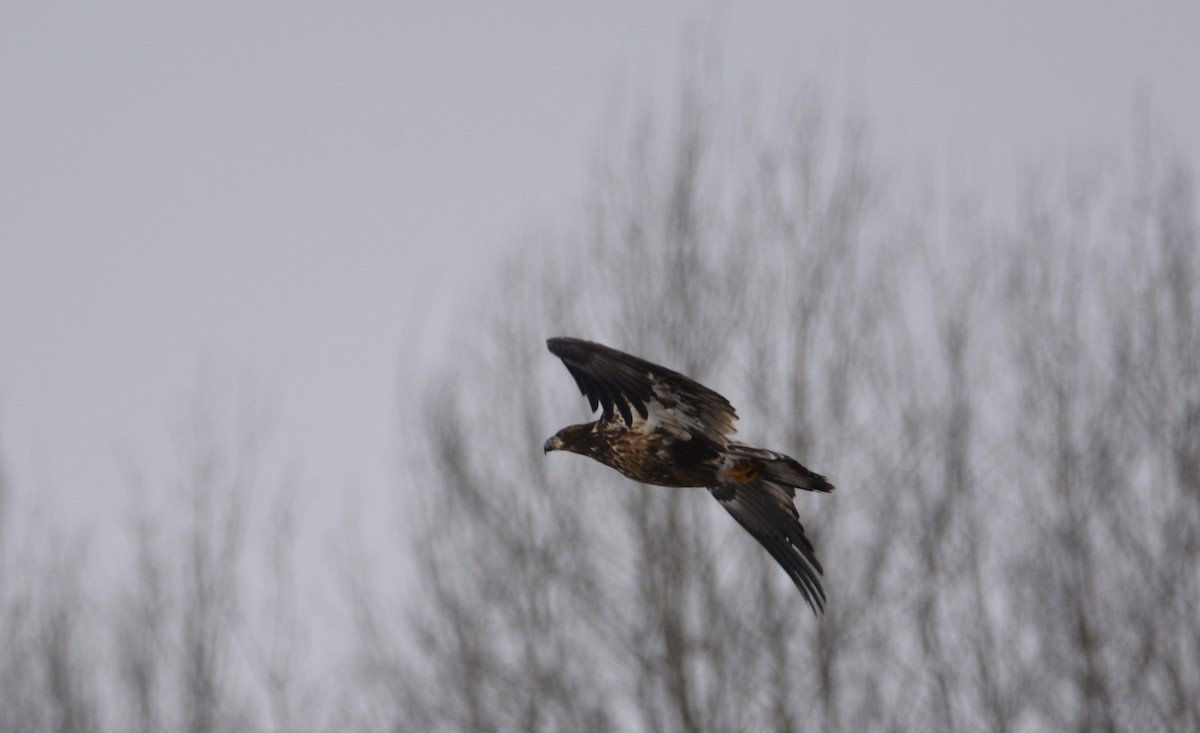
{"x": 302, "y": 194}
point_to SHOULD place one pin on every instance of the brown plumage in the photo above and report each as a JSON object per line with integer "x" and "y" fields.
{"x": 660, "y": 427}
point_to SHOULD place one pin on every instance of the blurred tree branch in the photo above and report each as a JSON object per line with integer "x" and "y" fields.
{"x": 1009, "y": 412}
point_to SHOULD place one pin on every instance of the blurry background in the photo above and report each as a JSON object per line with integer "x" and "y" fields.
{"x": 274, "y": 286}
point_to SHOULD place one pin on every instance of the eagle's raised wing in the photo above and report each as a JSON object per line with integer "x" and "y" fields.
{"x": 765, "y": 510}
{"x": 612, "y": 379}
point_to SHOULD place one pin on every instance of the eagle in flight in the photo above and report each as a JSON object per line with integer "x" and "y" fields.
{"x": 660, "y": 427}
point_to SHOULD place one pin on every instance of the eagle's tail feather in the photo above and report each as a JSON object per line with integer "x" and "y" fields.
{"x": 790, "y": 472}
{"x": 782, "y": 469}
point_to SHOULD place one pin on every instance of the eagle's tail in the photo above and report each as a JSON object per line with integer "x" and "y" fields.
{"x": 788, "y": 471}
{"x": 782, "y": 469}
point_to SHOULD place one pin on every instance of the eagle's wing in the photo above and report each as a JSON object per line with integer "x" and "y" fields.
{"x": 612, "y": 379}
{"x": 766, "y": 511}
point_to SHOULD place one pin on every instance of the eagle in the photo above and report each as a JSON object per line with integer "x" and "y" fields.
{"x": 660, "y": 427}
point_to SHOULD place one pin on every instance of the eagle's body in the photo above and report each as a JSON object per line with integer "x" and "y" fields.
{"x": 660, "y": 427}
{"x": 653, "y": 457}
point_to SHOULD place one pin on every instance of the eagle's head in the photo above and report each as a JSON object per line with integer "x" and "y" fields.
{"x": 574, "y": 438}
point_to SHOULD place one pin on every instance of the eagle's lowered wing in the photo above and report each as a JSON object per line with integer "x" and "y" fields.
{"x": 766, "y": 511}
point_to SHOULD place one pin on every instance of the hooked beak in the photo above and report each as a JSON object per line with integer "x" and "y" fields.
{"x": 552, "y": 443}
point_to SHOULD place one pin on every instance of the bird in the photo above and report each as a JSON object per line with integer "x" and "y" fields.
{"x": 660, "y": 427}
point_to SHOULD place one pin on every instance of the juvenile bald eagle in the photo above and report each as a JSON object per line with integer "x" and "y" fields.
{"x": 660, "y": 427}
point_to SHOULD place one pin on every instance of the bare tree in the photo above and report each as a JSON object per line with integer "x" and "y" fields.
{"x": 175, "y": 642}
{"x": 141, "y": 628}
{"x": 1009, "y": 406}
{"x": 61, "y": 646}
{"x": 192, "y": 655}
{"x": 47, "y": 640}
{"x": 608, "y": 606}
{"x": 1009, "y": 410}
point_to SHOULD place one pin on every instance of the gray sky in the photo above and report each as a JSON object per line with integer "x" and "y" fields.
{"x": 302, "y": 195}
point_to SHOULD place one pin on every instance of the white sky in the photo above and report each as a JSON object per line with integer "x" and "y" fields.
{"x": 303, "y": 193}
